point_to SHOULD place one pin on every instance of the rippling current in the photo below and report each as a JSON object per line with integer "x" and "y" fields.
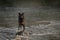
{"x": 40, "y": 32}
{"x": 42, "y": 23}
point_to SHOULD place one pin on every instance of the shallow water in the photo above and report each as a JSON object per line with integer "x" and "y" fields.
{"x": 40, "y": 32}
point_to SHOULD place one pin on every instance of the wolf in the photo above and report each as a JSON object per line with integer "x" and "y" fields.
{"x": 21, "y": 23}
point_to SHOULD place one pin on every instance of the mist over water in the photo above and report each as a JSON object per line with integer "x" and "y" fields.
{"x": 42, "y": 18}
{"x": 9, "y": 15}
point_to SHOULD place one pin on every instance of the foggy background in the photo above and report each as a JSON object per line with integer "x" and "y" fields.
{"x": 35, "y": 10}
{"x": 29, "y": 3}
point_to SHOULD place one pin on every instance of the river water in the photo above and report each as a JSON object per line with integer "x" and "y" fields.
{"x": 36, "y": 32}
{"x": 42, "y": 23}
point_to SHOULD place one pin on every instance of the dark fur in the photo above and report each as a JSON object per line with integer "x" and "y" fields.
{"x": 21, "y": 23}
{"x": 19, "y": 33}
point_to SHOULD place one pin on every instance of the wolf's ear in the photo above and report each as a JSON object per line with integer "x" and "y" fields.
{"x": 22, "y": 13}
{"x": 19, "y": 13}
